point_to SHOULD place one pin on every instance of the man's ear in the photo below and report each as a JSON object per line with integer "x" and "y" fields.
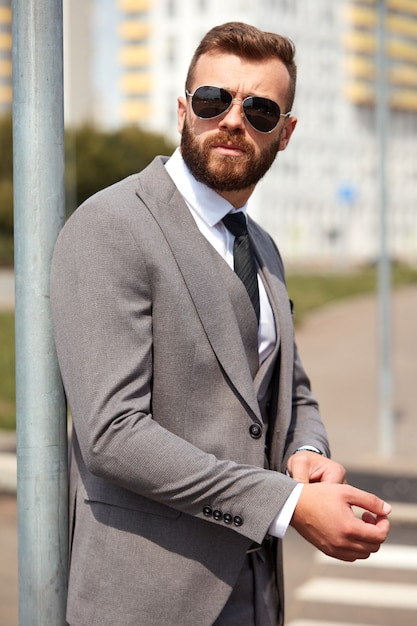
{"x": 287, "y": 131}
{"x": 182, "y": 107}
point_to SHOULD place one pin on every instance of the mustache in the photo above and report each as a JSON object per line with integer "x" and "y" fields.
{"x": 225, "y": 137}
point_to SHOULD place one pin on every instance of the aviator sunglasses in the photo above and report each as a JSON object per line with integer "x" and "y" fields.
{"x": 262, "y": 114}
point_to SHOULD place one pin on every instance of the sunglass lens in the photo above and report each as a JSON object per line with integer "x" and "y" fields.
{"x": 263, "y": 114}
{"x": 209, "y": 102}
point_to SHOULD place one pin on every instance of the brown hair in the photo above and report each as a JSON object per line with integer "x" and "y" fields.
{"x": 248, "y": 43}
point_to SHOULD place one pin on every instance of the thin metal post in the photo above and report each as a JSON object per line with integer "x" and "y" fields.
{"x": 38, "y": 137}
{"x": 386, "y": 422}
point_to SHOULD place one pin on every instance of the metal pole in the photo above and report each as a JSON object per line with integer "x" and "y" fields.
{"x": 38, "y": 137}
{"x": 386, "y": 425}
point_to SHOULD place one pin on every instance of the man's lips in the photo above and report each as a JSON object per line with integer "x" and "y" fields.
{"x": 229, "y": 149}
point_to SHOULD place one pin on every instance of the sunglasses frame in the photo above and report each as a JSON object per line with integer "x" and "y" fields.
{"x": 242, "y": 102}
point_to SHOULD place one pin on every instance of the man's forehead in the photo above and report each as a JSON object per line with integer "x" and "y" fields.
{"x": 231, "y": 71}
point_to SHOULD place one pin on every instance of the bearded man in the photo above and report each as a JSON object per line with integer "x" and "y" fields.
{"x": 196, "y": 437}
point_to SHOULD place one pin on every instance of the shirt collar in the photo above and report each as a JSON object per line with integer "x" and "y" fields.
{"x": 206, "y": 202}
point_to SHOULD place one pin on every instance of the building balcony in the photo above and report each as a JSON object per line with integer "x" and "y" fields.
{"x": 135, "y": 83}
{"x": 135, "y": 56}
{"x": 134, "y": 30}
{"x": 134, "y": 6}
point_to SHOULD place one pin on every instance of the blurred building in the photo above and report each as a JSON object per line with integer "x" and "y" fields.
{"x": 325, "y": 185}
{"x": 126, "y": 60}
{"x": 79, "y": 86}
{"x": 320, "y": 199}
{"x": 5, "y": 56}
{"x": 157, "y": 40}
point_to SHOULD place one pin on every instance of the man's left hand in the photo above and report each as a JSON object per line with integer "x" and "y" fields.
{"x": 309, "y": 467}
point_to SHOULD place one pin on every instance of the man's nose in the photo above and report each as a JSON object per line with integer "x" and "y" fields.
{"x": 234, "y": 118}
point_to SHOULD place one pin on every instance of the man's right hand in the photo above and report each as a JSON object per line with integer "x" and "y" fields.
{"x": 324, "y": 517}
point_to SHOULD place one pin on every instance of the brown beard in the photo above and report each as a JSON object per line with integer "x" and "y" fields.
{"x": 226, "y": 173}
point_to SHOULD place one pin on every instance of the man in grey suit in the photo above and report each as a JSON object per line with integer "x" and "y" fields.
{"x": 196, "y": 438}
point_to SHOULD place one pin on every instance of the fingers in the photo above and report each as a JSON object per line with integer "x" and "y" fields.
{"x": 299, "y": 467}
{"x": 324, "y": 517}
{"x": 367, "y": 534}
{"x": 369, "y": 502}
{"x": 375, "y": 528}
{"x": 329, "y": 471}
{"x": 368, "y": 518}
{"x": 352, "y": 554}
{"x": 307, "y": 467}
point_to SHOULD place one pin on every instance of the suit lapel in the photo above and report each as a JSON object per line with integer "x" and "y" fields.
{"x": 194, "y": 256}
{"x": 267, "y": 257}
{"x": 283, "y": 354}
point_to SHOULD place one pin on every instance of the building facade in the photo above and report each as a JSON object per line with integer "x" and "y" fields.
{"x": 80, "y": 96}
{"x": 321, "y": 199}
{"x": 126, "y": 60}
{"x": 327, "y": 184}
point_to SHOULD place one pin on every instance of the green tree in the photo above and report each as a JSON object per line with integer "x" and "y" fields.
{"x": 96, "y": 159}
{"x": 6, "y": 176}
{"x": 6, "y": 191}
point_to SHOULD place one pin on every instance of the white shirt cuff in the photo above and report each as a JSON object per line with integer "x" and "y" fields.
{"x": 280, "y": 523}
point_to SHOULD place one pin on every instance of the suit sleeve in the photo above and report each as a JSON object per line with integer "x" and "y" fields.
{"x": 306, "y": 425}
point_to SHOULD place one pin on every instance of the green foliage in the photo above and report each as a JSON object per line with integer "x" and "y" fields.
{"x": 6, "y": 249}
{"x": 6, "y": 206}
{"x": 7, "y": 372}
{"x": 96, "y": 159}
{"x": 312, "y": 291}
{"x": 6, "y": 191}
{"x": 6, "y": 177}
{"x": 6, "y": 153}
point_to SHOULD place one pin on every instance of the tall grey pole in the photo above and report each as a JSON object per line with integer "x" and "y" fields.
{"x": 38, "y": 138}
{"x": 386, "y": 425}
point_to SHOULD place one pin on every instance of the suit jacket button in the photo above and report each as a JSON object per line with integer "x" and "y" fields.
{"x": 217, "y": 514}
{"x": 227, "y": 518}
{"x": 208, "y": 511}
{"x": 238, "y": 520}
{"x": 255, "y": 431}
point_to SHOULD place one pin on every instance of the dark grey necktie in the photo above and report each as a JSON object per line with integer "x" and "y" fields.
{"x": 244, "y": 259}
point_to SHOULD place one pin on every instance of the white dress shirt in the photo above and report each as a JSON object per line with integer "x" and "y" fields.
{"x": 208, "y": 209}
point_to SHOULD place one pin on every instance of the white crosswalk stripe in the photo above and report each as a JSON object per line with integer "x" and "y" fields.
{"x": 359, "y": 593}
{"x": 310, "y": 622}
{"x": 338, "y": 587}
{"x": 393, "y": 557}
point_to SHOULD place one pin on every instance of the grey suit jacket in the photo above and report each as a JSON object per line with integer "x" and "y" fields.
{"x": 154, "y": 334}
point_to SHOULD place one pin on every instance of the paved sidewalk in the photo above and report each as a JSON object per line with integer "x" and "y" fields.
{"x": 339, "y": 348}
